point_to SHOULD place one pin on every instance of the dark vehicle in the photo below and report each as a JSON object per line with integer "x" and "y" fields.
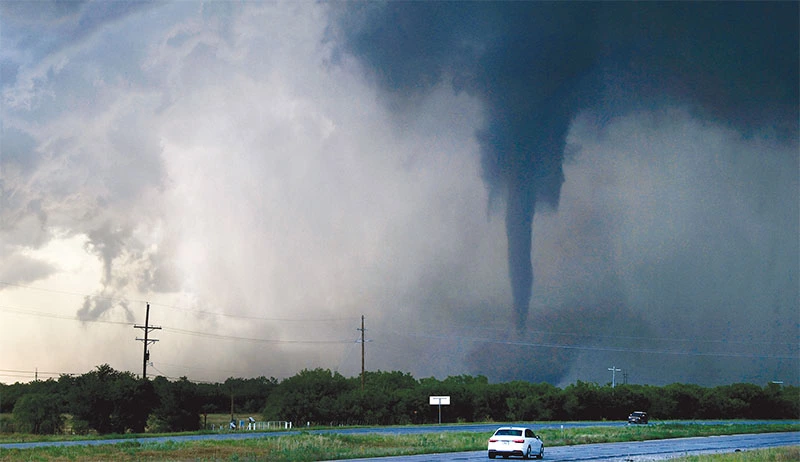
{"x": 637, "y": 417}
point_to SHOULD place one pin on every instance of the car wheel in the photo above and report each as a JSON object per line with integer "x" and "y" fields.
{"x": 541, "y": 452}
{"x": 527, "y": 454}
{"x": 491, "y": 455}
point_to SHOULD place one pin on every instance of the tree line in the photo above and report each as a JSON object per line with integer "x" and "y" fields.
{"x": 109, "y": 401}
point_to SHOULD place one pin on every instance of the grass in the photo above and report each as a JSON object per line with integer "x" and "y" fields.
{"x": 308, "y": 446}
{"x": 785, "y": 454}
{"x": 218, "y": 420}
{"x": 302, "y": 447}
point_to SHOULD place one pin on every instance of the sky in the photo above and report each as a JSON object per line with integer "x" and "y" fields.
{"x": 525, "y": 191}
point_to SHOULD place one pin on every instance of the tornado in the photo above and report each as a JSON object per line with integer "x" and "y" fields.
{"x": 519, "y": 223}
{"x": 524, "y": 169}
{"x": 527, "y": 63}
{"x": 532, "y": 83}
{"x": 536, "y": 65}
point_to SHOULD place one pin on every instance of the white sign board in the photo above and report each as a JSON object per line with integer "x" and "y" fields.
{"x": 440, "y": 400}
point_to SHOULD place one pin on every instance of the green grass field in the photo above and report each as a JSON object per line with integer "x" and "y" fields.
{"x": 790, "y": 454}
{"x": 315, "y": 447}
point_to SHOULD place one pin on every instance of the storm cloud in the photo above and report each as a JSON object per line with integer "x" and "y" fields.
{"x": 537, "y": 66}
{"x": 265, "y": 173}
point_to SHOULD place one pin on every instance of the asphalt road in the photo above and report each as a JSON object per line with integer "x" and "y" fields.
{"x": 628, "y": 452}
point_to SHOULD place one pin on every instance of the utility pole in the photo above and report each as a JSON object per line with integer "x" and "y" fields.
{"x": 363, "y": 341}
{"x": 614, "y": 371}
{"x": 147, "y": 341}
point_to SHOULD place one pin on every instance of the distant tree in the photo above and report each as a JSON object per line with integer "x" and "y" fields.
{"x": 519, "y": 400}
{"x": 214, "y": 397}
{"x": 489, "y": 402}
{"x": 315, "y": 396}
{"x": 39, "y": 413}
{"x": 619, "y": 401}
{"x": 180, "y": 405}
{"x": 460, "y": 389}
{"x": 11, "y": 393}
{"x": 110, "y": 401}
{"x": 249, "y": 395}
{"x": 778, "y": 402}
{"x": 530, "y": 401}
{"x": 749, "y": 395}
{"x": 679, "y": 401}
{"x": 745, "y": 401}
{"x": 582, "y": 401}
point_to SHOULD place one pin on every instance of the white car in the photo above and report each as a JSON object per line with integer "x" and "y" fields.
{"x": 515, "y": 441}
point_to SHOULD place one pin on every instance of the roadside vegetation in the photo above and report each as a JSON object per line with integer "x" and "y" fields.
{"x": 787, "y": 454}
{"x": 105, "y": 401}
{"x": 309, "y": 446}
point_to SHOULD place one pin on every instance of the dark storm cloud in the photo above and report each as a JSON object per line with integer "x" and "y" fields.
{"x": 736, "y": 62}
{"x": 536, "y": 65}
{"x": 210, "y": 157}
{"x": 94, "y": 307}
{"x": 108, "y": 243}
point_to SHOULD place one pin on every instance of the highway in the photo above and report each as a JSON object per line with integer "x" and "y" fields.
{"x": 479, "y": 428}
{"x": 641, "y": 451}
{"x": 627, "y": 452}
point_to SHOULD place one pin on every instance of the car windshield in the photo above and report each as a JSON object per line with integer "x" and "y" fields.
{"x": 508, "y": 432}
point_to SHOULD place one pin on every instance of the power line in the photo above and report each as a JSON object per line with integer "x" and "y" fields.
{"x": 250, "y": 339}
{"x": 34, "y": 372}
{"x": 351, "y": 318}
{"x": 258, "y": 318}
{"x": 163, "y": 374}
{"x": 459, "y": 338}
{"x": 22, "y": 311}
{"x": 184, "y": 309}
{"x": 205, "y": 369}
{"x": 170, "y": 329}
{"x": 504, "y": 330}
{"x": 601, "y": 348}
{"x": 63, "y": 292}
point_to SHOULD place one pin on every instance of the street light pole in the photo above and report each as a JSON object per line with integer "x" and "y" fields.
{"x": 614, "y": 371}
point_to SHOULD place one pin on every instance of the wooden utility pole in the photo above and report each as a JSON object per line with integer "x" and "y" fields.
{"x": 363, "y": 341}
{"x": 147, "y": 341}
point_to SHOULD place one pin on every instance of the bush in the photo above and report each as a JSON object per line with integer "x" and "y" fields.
{"x": 39, "y": 413}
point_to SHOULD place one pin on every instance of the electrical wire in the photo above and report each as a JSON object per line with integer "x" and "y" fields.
{"x": 249, "y": 339}
{"x": 633, "y": 337}
{"x": 184, "y": 309}
{"x": 459, "y": 338}
{"x": 601, "y": 348}
{"x": 170, "y": 329}
{"x": 42, "y": 314}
